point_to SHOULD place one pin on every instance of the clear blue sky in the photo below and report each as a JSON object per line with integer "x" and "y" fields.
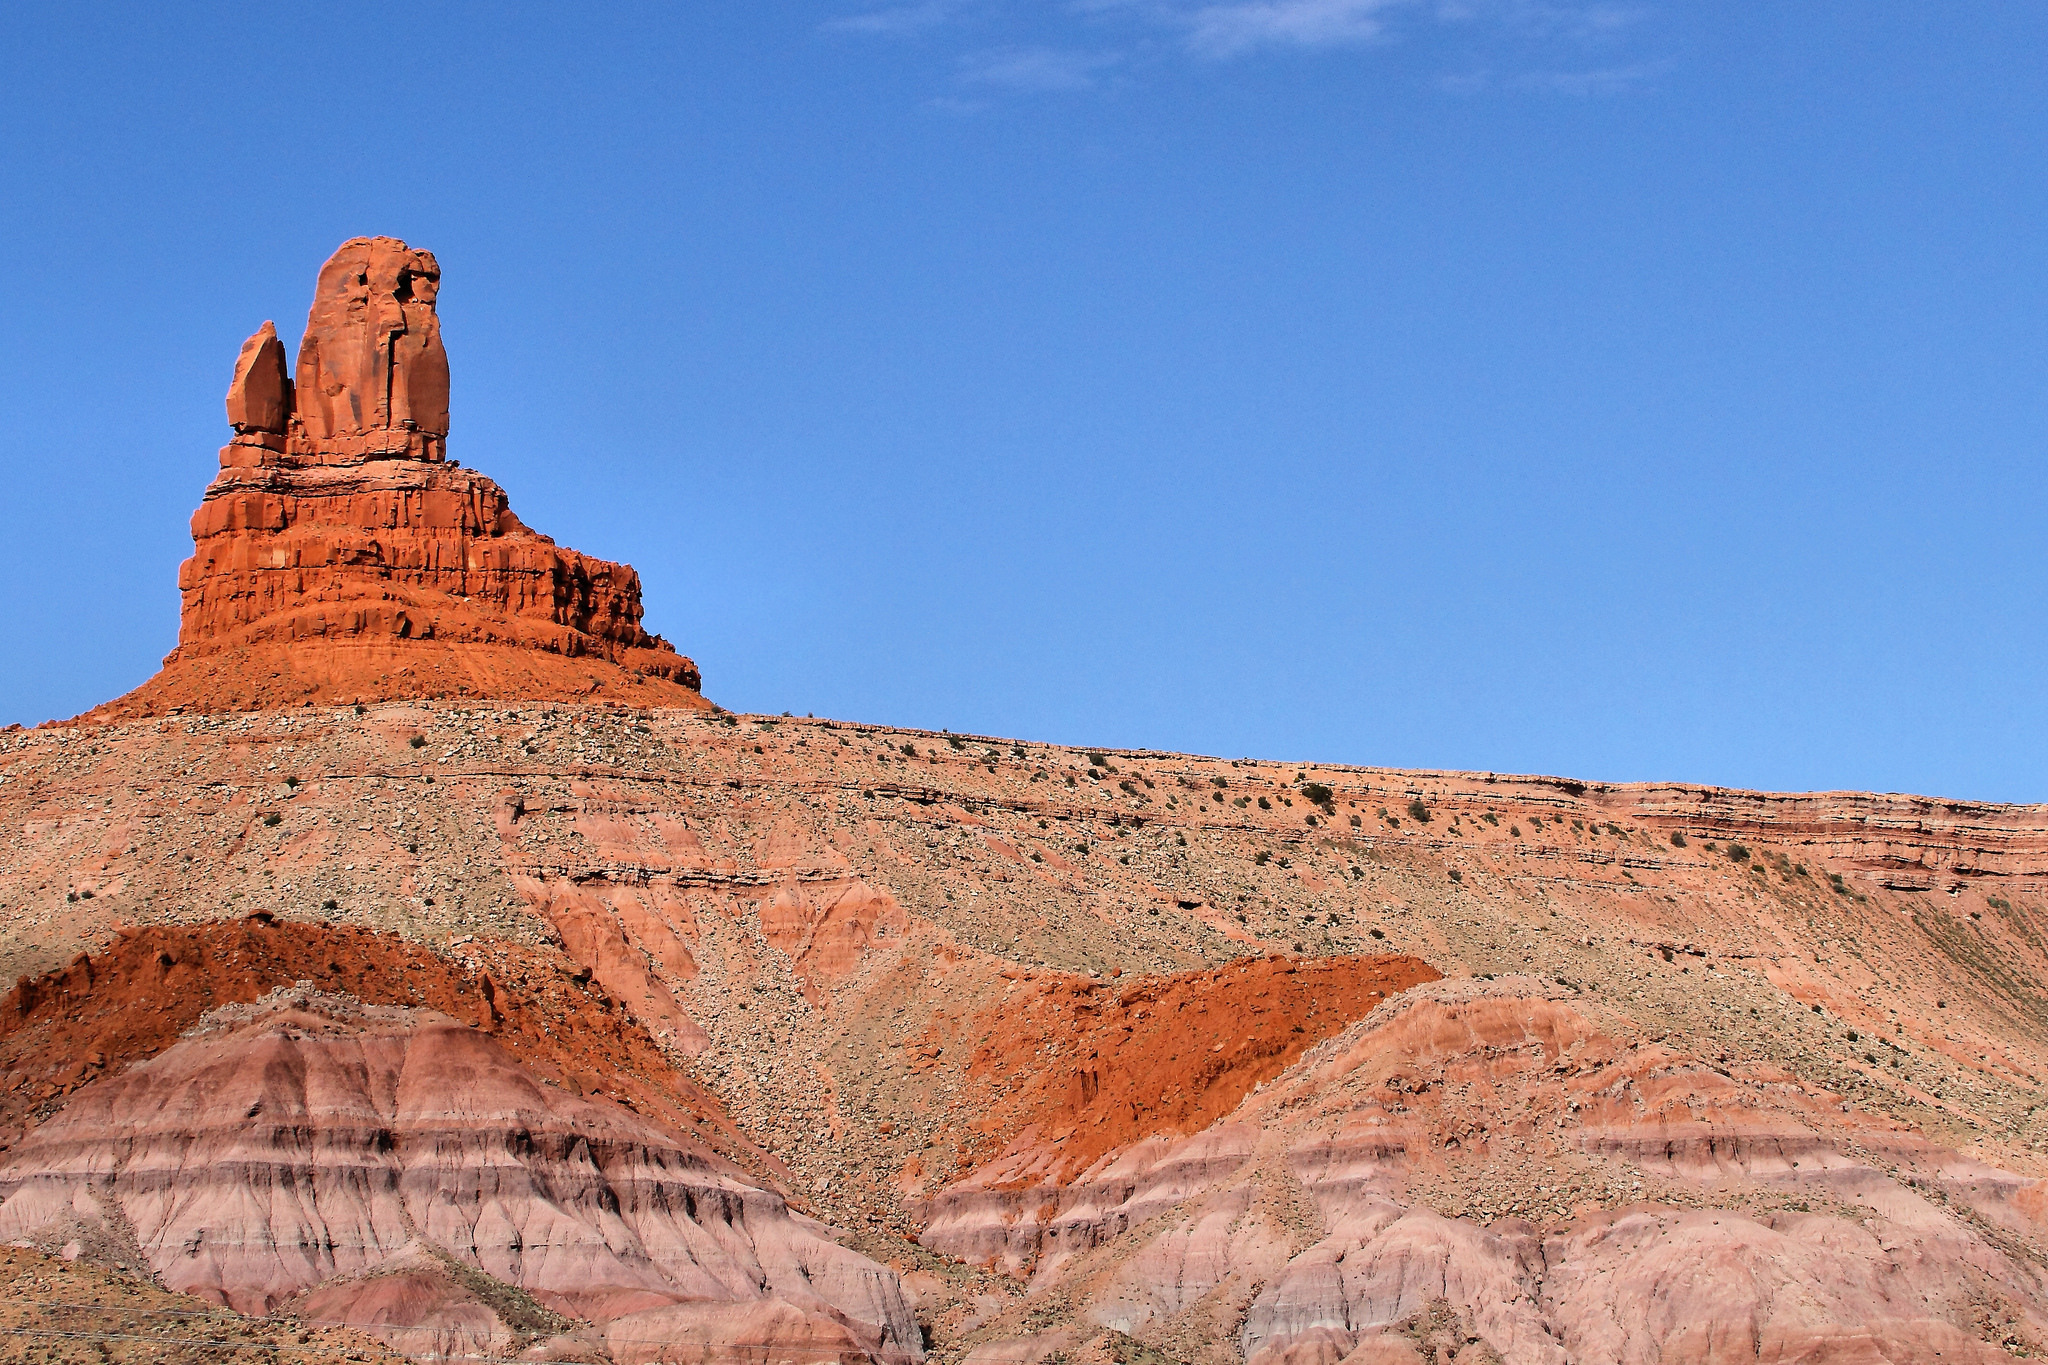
{"x": 1621, "y": 390}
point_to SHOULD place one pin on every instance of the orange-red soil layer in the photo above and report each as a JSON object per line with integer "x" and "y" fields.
{"x": 1095, "y": 1068}
{"x": 61, "y": 1030}
{"x": 281, "y": 677}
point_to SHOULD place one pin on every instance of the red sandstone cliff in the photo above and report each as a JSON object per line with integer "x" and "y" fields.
{"x": 339, "y": 555}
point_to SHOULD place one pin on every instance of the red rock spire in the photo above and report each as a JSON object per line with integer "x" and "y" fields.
{"x": 340, "y": 555}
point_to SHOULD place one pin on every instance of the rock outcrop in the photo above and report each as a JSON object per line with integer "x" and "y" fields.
{"x": 340, "y": 555}
{"x": 1486, "y": 1162}
{"x": 391, "y": 1153}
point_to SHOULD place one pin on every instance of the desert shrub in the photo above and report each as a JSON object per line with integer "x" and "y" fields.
{"x": 1261, "y": 858}
{"x": 954, "y": 740}
{"x": 1514, "y": 831}
{"x": 1418, "y": 812}
{"x": 291, "y": 781}
{"x": 273, "y": 820}
{"x": 1456, "y": 875}
{"x": 1317, "y": 793}
{"x": 1377, "y": 933}
{"x": 1737, "y": 853}
{"x": 1264, "y": 804}
{"x": 418, "y": 741}
{"x": 909, "y": 750}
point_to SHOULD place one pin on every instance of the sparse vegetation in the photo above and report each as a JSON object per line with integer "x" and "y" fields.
{"x": 1418, "y": 812}
{"x": 418, "y": 741}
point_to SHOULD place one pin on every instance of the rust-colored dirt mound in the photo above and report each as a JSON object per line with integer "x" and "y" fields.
{"x": 1079, "y": 1065}
{"x": 313, "y": 673}
{"x": 66, "y": 1028}
{"x": 337, "y": 521}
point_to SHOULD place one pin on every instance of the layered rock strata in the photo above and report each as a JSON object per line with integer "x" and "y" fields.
{"x": 310, "y": 1140}
{"x": 340, "y": 555}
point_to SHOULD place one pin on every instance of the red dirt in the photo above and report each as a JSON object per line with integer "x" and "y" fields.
{"x": 1170, "y": 1054}
{"x": 63, "y": 1029}
{"x": 310, "y": 673}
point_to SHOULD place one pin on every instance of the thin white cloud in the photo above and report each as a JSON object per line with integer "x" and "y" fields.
{"x": 1556, "y": 46}
{"x": 895, "y": 20}
{"x": 1229, "y": 30}
{"x": 1610, "y": 80}
{"x": 1036, "y": 70}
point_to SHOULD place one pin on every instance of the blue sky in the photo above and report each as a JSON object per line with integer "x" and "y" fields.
{"x": 1621, "y": 390}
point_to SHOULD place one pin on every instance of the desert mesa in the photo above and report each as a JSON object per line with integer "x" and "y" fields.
{"x": 420, "y": 966}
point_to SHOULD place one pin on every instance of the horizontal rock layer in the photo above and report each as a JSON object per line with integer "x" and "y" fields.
{"x": 309, "y": 1138}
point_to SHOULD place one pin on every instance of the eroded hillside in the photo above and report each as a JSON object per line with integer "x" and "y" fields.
{"x": 1033, "y": 1007}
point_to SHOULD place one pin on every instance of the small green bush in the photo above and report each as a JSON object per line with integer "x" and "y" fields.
{"x": 1418, "y": 812}
{"x": 418, "y": 741}
{"x": 1737, "y": 853}
{"x": 1261, "y": 858}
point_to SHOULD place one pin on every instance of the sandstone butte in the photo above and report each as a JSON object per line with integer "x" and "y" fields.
{"x": 340, "y": 554}
{"x": 419, "y": 965}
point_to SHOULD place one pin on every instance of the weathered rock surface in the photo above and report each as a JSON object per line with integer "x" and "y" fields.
{"x": 619, "y": 1033}
{"x": 890, "y": 968}
{"x": 1492, "y": 1157}
{"x": 309, "y": 1137}
{"x": 340, "y": 556}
